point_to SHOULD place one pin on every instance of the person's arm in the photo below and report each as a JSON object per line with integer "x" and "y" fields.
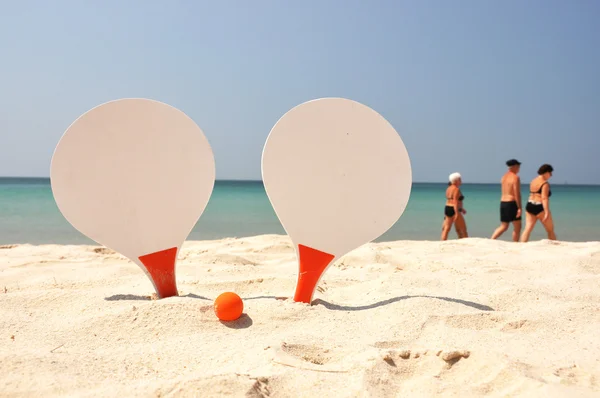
{"x": 517, "y": 189}
{"x": 545, "y": 201}
{"x": 455, "y": 197}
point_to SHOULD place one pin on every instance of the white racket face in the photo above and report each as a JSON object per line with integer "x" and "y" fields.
{"x": 337, "y": 174}
{"x": 134, "y": 175}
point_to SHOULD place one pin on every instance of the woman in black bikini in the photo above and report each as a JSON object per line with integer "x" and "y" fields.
{"x": 453, "y": 212}
{"x": 538, "y": 205}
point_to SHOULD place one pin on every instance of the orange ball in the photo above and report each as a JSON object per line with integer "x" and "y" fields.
{"x": 228, "y": 306}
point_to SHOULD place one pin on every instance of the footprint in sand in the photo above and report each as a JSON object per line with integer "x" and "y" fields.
{"x": 260, "y": 388}
{"x": 312, "y": 354}
{"x": 514, "y": 325}
{"x": 477, "y": 321}
{"x": 448, "y": 356}
{"x": 484, "y": 321}
{"x": 311, "y": 357}
{"x": 453, "y": 356}
{"x": 574, "y": 375}
{"x": 389, "y": 373}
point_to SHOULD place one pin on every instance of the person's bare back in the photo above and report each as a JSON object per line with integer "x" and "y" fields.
{"x": 511, "y": 185}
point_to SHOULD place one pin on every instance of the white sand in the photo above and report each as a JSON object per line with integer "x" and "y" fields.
{"x": 464, "y": 318}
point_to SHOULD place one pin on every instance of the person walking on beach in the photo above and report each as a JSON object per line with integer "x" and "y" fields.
{"x": 453, "y": 212}
{"x": 510, "y": 201}
{"x": 538, "y": 204}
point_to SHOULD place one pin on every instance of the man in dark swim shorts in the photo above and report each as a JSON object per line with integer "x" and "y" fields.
{"x": 509, "y": 211}
{"x": 510, "y": 202}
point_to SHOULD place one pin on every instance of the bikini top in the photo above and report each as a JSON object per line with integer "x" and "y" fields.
{"x": 540, "y": 190}
{"x": 460, "y": 198}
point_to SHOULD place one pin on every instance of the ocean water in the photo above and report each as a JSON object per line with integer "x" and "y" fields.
{"x": 28, "y": 213}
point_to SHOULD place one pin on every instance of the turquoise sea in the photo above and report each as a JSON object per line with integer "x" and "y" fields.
{"x": 28, "y": 213}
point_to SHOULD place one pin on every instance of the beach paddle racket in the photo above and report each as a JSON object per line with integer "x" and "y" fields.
{"x": 338, "y": 176}
{"x": 135, "y": 175}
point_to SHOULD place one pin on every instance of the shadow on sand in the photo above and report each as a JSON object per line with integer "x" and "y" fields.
{"x": 326, "y": 304}
{"x": 243, "y": 322}
{"x": 336, "y": 307}
{"x": 266, "y": 297}
{"x": 118, "y": 297}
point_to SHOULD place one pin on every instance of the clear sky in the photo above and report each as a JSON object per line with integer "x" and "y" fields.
{"x": 468, "y": 84}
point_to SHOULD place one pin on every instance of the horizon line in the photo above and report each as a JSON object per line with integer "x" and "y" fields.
{"x": 566, "y": 183}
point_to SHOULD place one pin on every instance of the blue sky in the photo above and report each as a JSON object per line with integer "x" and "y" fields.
{"x": 467, "y": 84}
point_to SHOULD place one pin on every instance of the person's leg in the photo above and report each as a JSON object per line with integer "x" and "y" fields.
{"x": 461, "y": 227}
{"x": 530, "y": 221}
{"x": 504, "y": 220}
{"x": 446, "y": 227}
{"x": 549, "y": 226}
{"x": 500, "y": 230}
{"x": 516, "y": 230}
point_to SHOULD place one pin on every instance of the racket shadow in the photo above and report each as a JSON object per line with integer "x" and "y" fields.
{"x": 266, "y": 297}
{"x": 134, "y": 297}
{"x": 336, "y": 307}
{"x": 119, "y": 297}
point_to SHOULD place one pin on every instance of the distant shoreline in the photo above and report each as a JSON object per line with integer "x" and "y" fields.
{"x": 47, "y": 179}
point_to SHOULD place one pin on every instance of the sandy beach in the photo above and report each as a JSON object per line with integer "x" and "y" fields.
{"x": 470, "y": 317}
